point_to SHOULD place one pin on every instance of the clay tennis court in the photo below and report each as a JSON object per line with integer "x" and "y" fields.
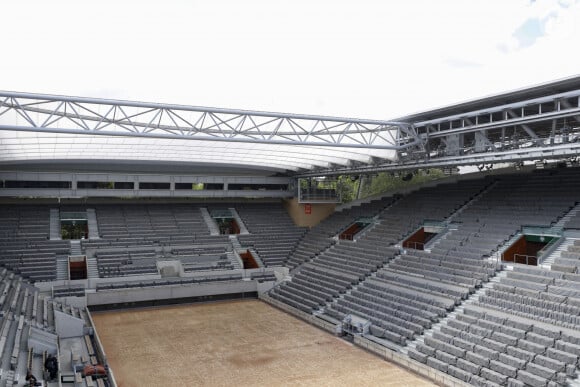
{"x": 242, "y": 343}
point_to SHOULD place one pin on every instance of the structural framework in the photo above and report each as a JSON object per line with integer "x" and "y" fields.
{"x": 540, "y": 122}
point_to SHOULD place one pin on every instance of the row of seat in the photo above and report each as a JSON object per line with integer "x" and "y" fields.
{"x": 481, "y": 346}
{"x": 319, "y": 238}
{"x": 25, "y": 247}
{"x": 272, "y": 232}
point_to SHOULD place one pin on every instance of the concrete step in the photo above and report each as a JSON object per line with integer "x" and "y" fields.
{"x": 547, "y": 263}
{"x": 92, "y": 268}
{"x": 235, "y": 260}
{"x": 243, "y": 229}
{"x": 75, "y": 247}
{"x": 209, "y": 221}
{"x": 473, "y": 200}
{"x": 569, "y": 215}
{"x": 62, "y": 268}
{"x": 92, "y": 223}
{"x": 55, "y": 224}
{"x": 257, "y": 257}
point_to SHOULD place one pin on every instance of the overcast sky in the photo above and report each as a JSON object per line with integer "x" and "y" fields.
{"x": 366, "y": 59}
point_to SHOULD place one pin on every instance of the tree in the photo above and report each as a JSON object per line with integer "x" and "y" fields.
{"x": 383, "y": 183}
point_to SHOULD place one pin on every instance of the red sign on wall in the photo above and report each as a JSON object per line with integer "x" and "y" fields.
{"x": 308, "y": 208}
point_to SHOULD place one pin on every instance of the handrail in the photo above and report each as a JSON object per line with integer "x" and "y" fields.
{"x": 435, "y": 223}
{"x": 547, "y": 250}
{"x": 542, "y": 230}
{"x": 527, "y": 257}
{"x": 414, "y": 245}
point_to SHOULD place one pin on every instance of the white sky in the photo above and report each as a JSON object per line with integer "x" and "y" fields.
{"x": 364, "y": 58}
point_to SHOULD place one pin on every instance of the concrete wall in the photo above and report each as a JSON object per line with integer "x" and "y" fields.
{"x": 131, "y": 295}
{"x": 319, "y": 212}
{"x": 309, "y": 318}
{"x": 67, "y": 325}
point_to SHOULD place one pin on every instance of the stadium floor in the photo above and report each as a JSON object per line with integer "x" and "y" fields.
{"x": 242, "y": 343}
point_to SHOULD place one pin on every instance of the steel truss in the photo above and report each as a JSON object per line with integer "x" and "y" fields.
{"x": 75, "y": 115}
{"x": 521, "y": 130}
{"x": 539, "y": 128}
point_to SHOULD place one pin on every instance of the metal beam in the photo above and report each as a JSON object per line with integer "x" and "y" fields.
{"x": 61, "y": 114}
{"x": 537, "y": 153}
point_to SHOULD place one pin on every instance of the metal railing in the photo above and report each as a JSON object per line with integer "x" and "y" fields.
{"x": 542, "y": 230}
{"x": 527, "y": 258}
{"x": 435, "y": 223}
{"x": 545, "y": 251}
{"x": 76, "y": 215}
{"x": 414, "y": 245}
{"x": 314, "y": 194}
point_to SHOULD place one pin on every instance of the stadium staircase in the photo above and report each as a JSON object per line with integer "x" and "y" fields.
{"x": 547, "y": 263}
{"x": 241, "y": 225}
{"x": 235, "y": 260}
{"x": 62, "y": 268}
{"x": 92, "y": 223}
{"x": 211, "y": 224}
{"x": 92, "y": 268}
{"x": 569, "y": 215}
{"x": 364, "y": 231}
{"x": 439, "y": 238}
{"x": 62, "y": 261}
{"x": 75, "y": 247}
{"x": 237, "y": 247}
{"x": 54, "y": 224}
{"x": 257, "y": 257}
{"x": 233, "y": 255}
{"x": 473, "y": 200}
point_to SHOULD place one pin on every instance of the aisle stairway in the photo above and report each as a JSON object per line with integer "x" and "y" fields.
{"x": 233, "y": 255}
{"x": 92, "y": 223}
{"x": 566, "y": 218}
{"x": 75, "y": 247}
{"x": 243, "y": 229}
{"x": 62, "y": 268}
{"x": 547, "y": 263}
{"x": 237, "y": 247}
{"x": 54, "y": 224}
{"x": 92, "y": 268}
{"x": 209, "y": 221}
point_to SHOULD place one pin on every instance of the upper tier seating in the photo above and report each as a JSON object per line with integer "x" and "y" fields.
{"x": 147, "y": 225}
{"x": 348, "y": 263}
{"x": 458, "y": 264}
{"x": 523, "y": 330}
{"x": 130, "y": 235}
{"x": 25, "y": 247}
{"x": 272, "y": 232}
{"x": 320, "y": 237}
{"x": 405, "y": 298}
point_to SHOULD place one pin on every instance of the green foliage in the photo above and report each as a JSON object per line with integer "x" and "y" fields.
{"x": 382, "y": 183}
{"x": 105, "y": 185}
{"x": 346, "y": 188}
